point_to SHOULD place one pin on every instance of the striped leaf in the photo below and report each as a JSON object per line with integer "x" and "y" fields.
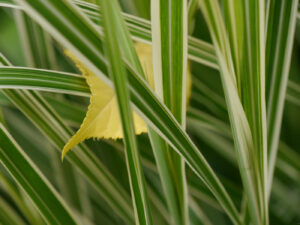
{"x": 241, "y": 128}
{"x": 118, "y": 74}
{"x": 169, "y": 43}
{"x": 46, "y": 199}
{"x": 280, "y": 35}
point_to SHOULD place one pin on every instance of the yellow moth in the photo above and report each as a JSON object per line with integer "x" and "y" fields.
{"x": 102, "y": 118}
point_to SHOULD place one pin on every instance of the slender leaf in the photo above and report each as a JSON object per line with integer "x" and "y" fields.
{"x": 36, "y": 44}
{"x": 280, "y": 35}
{"x": 192, "y": 8}
{"x": 293, "y": 93}
{"x": 253, "y": 95}
{"x": 118, "y": 74}
{"x": 46, "y": 80}
{"x": 241, "y": 129}
{"x": 26, "y": 207}
{"x": 169, "y": 35}
{"x": 8, "y": 215}
{"x": 36, "y": 186}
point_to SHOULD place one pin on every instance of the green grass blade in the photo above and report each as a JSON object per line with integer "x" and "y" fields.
{"x": 245, "y": 25}
{"x": 288, "y": 162}
{"x": 45, "y": 80}
{"x": 76, "y": 29}
{"x": 192, "y": 9}
{"x": 293, "y": 93}
{"x": 159, "y": 146}
{"x": 253, "y": 95}
{"x": 201, "y": 216}
{"x": 118, "y": 75}
{"x": 169, "y": 35}
{"x": 8, "y": 3}
{"x": 36, "y": 186}
{"x": 280, "y": 35}
{"x": 233, "y": 13}
{"x": 36, "y": 43}
{"x": 164, "y": 164}
{"x": 39, "y": 52}
{"x": 169, "y": 40}
{"x": 4, "y": 61}
{"x": 8, "y": 215}
{"x": 240, "y": 127}
{"x": 142, "y": 8}
{"x": 204, "y": 95}
{"x": 26, "y": 207}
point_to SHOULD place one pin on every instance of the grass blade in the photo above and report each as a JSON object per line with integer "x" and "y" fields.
{"x": 35, "y": 42}
{"x": 192, "y": 8}
{"x": 293, "y": 93}
{"x": 36, "y": 186}
{"x": 45, "y": 80}
{"x": 26, "y": 207}
{"x": 169, "y": 35}
{"x": 8, "y": 215}
{"x": 233, "y": 13}
{"x": 280, "y": 35}
{"x": 119, "y": 77}
{"x": 245, "y": 21}
{"x": 245, "y": 25}
{"x": 241, "y": 129}
{"x": 253, "y": 95}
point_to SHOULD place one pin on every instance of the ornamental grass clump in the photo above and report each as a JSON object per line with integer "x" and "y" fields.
{"x": 176, "y": 112}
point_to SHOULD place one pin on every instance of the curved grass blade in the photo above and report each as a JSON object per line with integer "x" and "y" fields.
{"x": 39, "y": 79}
{"x": 46, "y": 80}
{"x": 36, "y": 186}
{"x": 8, "y": 4}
